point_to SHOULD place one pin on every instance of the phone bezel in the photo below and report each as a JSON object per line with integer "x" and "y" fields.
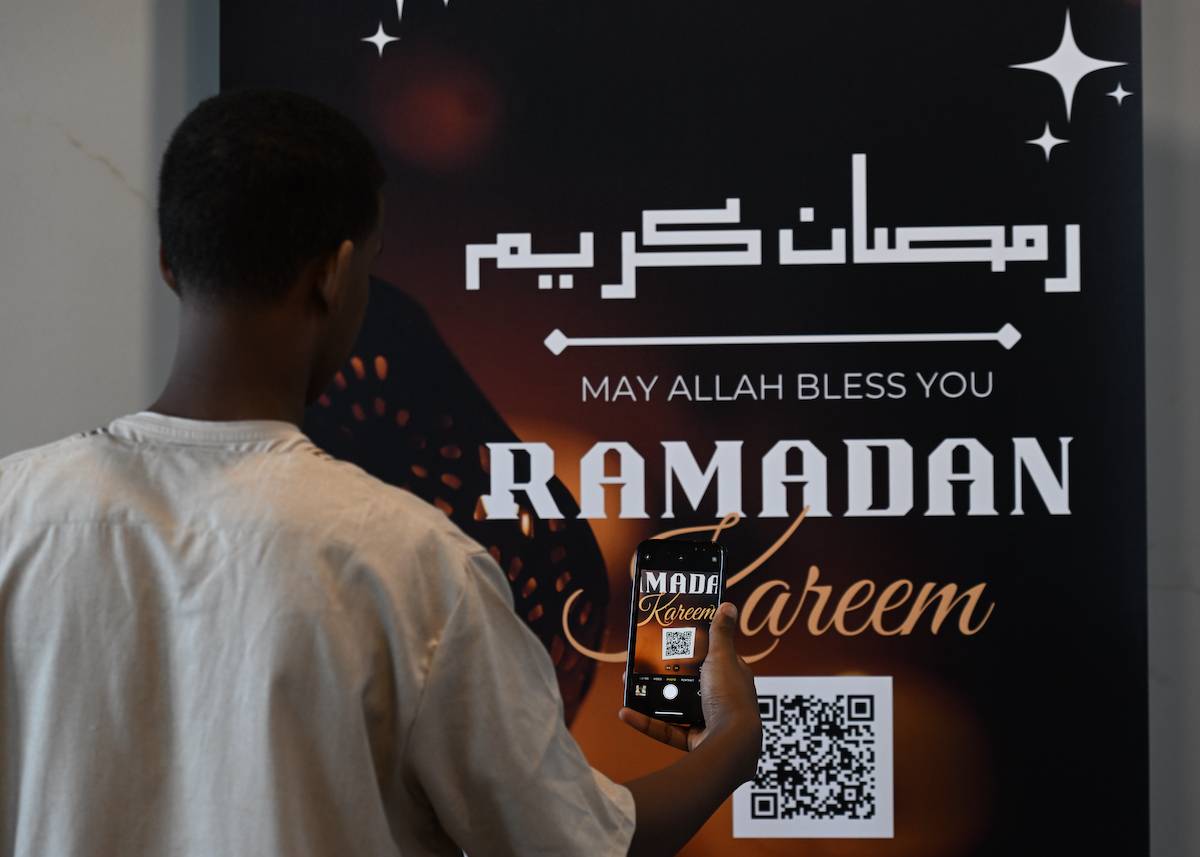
{"x": 659, "y": 549}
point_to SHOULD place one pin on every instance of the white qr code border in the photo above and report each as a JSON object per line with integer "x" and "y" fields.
{"x": 827, "y": 688}
{"x": 687, "y": 633}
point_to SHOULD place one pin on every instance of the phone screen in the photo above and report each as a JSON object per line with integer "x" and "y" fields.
{"x": 677, "y": 587}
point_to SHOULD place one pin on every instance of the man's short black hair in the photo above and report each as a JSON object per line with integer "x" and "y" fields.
{"x": 254, "y": 185}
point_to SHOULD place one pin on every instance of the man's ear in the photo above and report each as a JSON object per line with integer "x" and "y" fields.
{"x": 167, "y": 274}
{"x": 334, "y": 278}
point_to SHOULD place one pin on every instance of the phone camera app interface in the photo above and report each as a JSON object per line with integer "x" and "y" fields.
{"x": 672, "y": 612}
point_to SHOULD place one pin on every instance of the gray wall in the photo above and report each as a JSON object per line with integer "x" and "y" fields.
{"x": 89, "y": 92}
{"x": 1171, "y": 33}
{"x": 88, "y": 95}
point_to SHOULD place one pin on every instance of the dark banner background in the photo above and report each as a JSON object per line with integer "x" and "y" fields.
{"x": 557, "y": 118}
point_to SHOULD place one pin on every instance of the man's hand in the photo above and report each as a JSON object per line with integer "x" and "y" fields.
{"x": 674, "y": 802}
{"x": 727, "y": 697}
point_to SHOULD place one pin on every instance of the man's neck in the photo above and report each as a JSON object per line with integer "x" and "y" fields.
{"x": 237, "y": 365}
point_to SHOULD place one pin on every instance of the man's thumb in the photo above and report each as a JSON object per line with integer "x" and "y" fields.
{"x": 722, "y": 628}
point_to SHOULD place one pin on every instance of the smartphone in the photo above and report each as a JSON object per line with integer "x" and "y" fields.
{"x": 677, "y": 587}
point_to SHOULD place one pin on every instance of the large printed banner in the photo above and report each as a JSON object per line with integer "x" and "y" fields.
{"x": 854, "y": 288}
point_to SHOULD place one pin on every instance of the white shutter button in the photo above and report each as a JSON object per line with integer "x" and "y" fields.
{"x": 670, "y": 691}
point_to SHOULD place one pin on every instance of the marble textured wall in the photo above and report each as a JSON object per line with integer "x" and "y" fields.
{"x": 88, "y": 94}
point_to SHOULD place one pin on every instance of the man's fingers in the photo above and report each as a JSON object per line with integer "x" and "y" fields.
{"x": 667, "y": 733}
{"x": 636, "y": 719}
{"x": 720, "y": 632}
{"x": 656, "y": 729}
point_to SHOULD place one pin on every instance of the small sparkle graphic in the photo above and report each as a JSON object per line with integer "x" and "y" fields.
{"x": 1047, "y": 141}
{"x": 1119, "y": 94}
{"x": 1068, "y": 65}
{"x": 381, "y": 39}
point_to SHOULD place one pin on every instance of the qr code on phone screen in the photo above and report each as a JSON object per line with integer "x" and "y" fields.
{"x": 826, "y": 765}
{"x": 678, "y": 643}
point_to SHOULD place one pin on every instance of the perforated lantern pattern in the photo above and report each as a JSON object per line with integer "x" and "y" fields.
{"x": 405, "y": 410}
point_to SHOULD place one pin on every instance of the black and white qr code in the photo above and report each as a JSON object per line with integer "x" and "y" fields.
{"x": 678, "y": 643}
{"x": 826, "y": 764}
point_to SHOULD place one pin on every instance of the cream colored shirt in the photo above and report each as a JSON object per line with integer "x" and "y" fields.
{"x": 218, "y": 641}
